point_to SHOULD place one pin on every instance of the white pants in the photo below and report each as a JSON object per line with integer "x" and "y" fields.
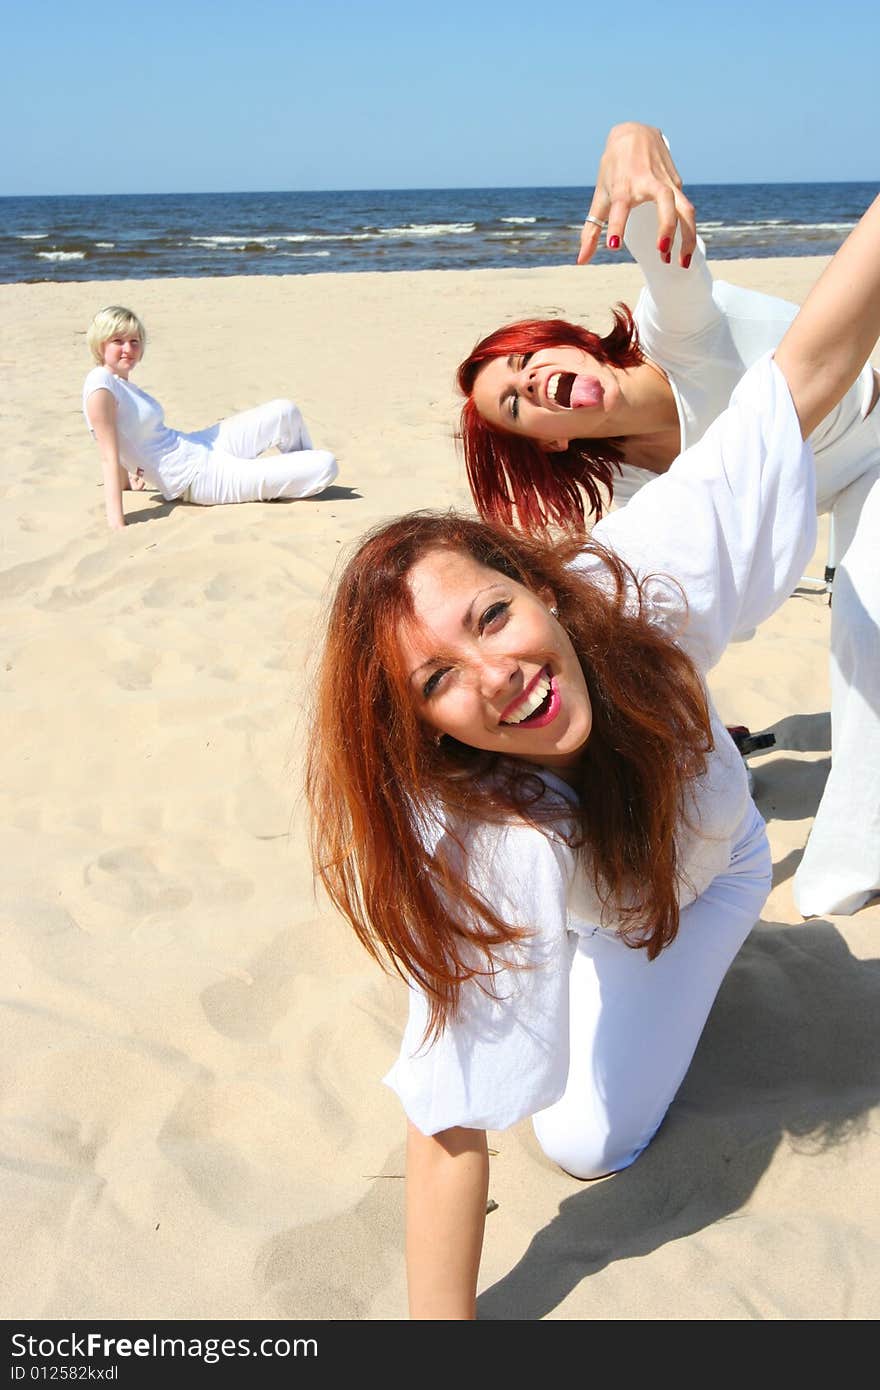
{"x": 635, "y": 1023}
{"x": 840, "y": 868}
{"x": 230, "y": 467}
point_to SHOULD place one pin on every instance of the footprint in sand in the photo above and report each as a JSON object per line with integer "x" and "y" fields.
{"x": 222, "y": 588}
{"x": 312, "y": 1271}
{"x": 127, "y": 880}
{"x": 99, "y": 565}
{"x": 230, "y": 537}
{"x": 136, "y": 675}
{"x": 250, "y": 1006}
{"x": 165, "y": 593}
{"x": 29, "y": 575}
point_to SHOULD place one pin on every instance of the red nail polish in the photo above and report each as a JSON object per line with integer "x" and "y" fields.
{"x": 686, "y": 260}
{"x": 667, "y": 258}
{"x": 664, "y": 245}
{"x": 613, "y": 243}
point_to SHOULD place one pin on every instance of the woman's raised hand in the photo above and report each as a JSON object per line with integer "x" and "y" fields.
{"x": 636, "y": 167}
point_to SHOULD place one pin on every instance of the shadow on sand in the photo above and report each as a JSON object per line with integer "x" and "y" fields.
{"x": 792, "y": 1048}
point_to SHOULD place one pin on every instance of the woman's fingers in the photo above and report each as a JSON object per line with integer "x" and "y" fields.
{"x": 675, "y": 213}
{"x": 687, "y": 221}
{"x": 589, "y": 241}
{"x": 591, "y": 232}
{"x": 667, "y": 222}
{"x": 619, "y": 211}
{"x": 636, "y": 168}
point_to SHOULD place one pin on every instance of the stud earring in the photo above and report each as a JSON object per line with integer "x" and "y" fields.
{"x": 554, "y": 611}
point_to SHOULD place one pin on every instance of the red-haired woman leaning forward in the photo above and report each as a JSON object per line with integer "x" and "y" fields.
{"x": 523, "y": 798}
{"x": 556, "y": 417}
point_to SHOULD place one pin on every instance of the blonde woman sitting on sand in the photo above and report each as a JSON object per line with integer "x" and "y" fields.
{"x": 217, "y": 465}
{"x": 523, "y": 797}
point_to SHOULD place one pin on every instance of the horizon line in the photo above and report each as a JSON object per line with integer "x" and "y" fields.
{"x": 414, "y": 188}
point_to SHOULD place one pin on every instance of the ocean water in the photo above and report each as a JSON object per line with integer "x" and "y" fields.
{"x": 159, "y": 235}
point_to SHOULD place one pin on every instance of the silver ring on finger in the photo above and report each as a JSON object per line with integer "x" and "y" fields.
{"x": 596, "y": 221}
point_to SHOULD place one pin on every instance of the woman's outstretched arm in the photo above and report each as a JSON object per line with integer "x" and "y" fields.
{"x": 636, "y": 167}
{"x": 447, "y": 1183}
{"x": 837, "y": 327}
{"x": 102, "y": 418}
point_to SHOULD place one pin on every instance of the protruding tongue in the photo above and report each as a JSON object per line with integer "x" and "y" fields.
{"x": 585, "y": 391}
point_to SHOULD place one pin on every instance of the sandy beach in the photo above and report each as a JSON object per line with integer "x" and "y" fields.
{"x": 193, "y": 1121}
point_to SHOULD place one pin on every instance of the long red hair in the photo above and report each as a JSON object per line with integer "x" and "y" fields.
{"x": 379, "y": 784}
{"x": 508, "y": 473}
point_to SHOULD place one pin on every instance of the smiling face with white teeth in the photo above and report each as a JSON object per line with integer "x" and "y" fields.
{"x": 555, "y": 395}
{"x": 490, "y": 666}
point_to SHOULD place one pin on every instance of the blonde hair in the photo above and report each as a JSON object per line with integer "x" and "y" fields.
{"x": 107, "y": 323}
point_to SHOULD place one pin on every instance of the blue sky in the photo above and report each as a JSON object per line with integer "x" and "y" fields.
{"x": 277, "y": 94}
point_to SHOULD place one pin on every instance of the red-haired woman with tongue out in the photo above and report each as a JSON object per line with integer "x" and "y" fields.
{"x": 558, "y": 420}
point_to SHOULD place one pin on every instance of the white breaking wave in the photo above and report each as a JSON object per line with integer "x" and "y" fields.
{"x": 234, "y": 241}
{"x": 777, "y": 225}
{"x": 61, "y": 255}
{"x": 780, "y": 225}
{"x": 430, "y": 229}
{"x": 272, "y": 241}
{"x": 298, "y": 255}
{"x": 328, "y": 236}
{"x": 435, "y": 229}
{"x": 519, "y": 219}
{"x": 31, "y": 236}
{"x": 521, "y": 236}
{"x": 106, "y": 245}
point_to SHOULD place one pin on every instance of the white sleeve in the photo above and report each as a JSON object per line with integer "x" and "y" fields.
{"x": 733, "y": 520}
{"x": 98, "y": 379}
{"x": 674, "y": 300}
{"x": 504, "y": 1055}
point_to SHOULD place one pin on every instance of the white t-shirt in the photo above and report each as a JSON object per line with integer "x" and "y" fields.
{"x": 705, "y": 334}
{"x": 168, "y": 460}
{"x": 733, "y": 521}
